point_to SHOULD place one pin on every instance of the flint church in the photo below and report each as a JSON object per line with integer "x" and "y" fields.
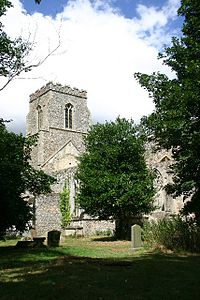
{"x": 60, "y": 118}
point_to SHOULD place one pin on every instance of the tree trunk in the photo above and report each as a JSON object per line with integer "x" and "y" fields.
{"x": 123, "y": 228}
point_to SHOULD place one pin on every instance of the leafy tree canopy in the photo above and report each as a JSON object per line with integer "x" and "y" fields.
{"x": 16, "y": 177}
{"x": 175, "y": 123}
{"x": 13, "y": 52}
{"x": 114, "y": 179}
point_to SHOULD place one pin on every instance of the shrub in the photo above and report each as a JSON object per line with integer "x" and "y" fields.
{"x": 65, "y": 206}
{"x": 173, "y": 233}
{"x": 106, "y": 232}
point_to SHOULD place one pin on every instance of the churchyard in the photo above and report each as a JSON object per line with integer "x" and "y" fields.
{"x": 96, "y": 268}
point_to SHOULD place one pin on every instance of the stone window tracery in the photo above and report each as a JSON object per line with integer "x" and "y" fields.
{"x": 68, "y": 116}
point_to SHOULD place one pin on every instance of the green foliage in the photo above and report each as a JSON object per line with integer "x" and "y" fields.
{"x": 107, "y": 232}
{"x": 65, "y": 206}
{"x": 12, "y": 52}
{"x": 175, "y": 123}
{"x": 16, "y": 177}
{"x": 173, "y": 233}
{"x": 4, "y": 5}
{"x": 114, "y": 179}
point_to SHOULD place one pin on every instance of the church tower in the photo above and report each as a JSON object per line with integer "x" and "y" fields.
{"x": 59, "y": 117}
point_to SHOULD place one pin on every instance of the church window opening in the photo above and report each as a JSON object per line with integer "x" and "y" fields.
{"x": 39, "y": 109}
{"x": 68, "y": 116}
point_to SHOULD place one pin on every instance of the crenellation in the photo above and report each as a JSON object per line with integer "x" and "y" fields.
{"x": 60, "y": 89}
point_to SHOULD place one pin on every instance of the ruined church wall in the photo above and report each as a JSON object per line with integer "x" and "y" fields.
{"x": 160, "y": 162}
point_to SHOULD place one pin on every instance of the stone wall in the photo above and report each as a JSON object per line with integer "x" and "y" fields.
{"x": 160, "y": 162}
{"x": 95, "y": 227}
{"x": 48, "y": 217}
{"x": 47, "y": 213}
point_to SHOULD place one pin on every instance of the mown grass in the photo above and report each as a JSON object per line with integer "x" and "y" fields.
{"x": 96, "y": 269}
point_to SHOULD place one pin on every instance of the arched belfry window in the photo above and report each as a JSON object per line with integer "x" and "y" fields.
{"x": 68, "y": 116}
{"x": 39, "y": 110}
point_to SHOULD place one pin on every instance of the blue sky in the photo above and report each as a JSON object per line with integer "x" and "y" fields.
{"x": 126, "y": 7}
{"x": 101, "y": 44}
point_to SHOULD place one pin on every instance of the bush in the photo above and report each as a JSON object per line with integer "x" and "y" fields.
{"x": 65, "y": 206}
{"x": 173, "y": 233}
{"x": 107, "y": 232}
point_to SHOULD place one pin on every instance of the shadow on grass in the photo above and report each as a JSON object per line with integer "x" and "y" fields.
{"x": 104, "y": 239}
{"x": 52, "y": 275}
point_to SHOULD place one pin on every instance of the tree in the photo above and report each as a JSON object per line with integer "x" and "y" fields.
{"x": 114, "y": 179}
{"x": 175, "y": 123}
{"x": 16, "y": 177}
{"x": 14, "y": 53}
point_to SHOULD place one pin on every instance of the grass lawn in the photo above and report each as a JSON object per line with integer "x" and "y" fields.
{"x": 87, "y": 268}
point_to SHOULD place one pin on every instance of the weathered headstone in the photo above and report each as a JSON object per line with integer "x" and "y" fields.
{"x": 53, "y": 239}
{"x": 136, "y": 240}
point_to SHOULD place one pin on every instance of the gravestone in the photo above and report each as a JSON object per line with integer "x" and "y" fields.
{"x": 53, "y": 239}
{"x": 136, "y": 240}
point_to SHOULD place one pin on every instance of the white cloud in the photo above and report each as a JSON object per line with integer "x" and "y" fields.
{"x": 100, "y": 51}
{"x": 153, "y": 22}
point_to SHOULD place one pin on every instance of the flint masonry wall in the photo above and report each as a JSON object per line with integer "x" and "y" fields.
{"x": 47, "y": 213}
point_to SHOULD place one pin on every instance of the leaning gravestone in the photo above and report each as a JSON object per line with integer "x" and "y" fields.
{"x": 136, "y": 240}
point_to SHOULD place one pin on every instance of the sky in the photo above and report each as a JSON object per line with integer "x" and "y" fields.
{"x": 100, "y": 45}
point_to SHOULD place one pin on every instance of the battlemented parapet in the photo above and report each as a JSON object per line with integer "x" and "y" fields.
{"x": 66, "y": 89}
